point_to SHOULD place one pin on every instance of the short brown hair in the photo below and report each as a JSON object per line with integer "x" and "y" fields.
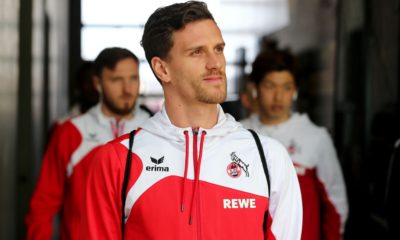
{"x": 158, "y": 30}
{"x": 109, "y": 57}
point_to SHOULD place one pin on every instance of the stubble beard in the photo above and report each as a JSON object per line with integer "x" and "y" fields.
{"x": 122, "y": 111}
{"x": 216, "y": 96}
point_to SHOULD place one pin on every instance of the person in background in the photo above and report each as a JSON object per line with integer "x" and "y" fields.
{"x": 310, "y": 147}
{"x": 248, "y": 97}
{"x": 192, "y": 172}
{"x": 67, "y": 160}
{"x": 85, "y": 95}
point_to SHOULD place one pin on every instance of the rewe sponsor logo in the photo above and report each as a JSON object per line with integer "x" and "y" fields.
{"x": 239, "y": 203}
{"x": 157, "y": 168}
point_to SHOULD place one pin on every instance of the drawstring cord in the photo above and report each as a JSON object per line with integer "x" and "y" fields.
{"x": 186, "y": 169}
{"x": 197, "y": 156}
{"x": 117, "y": 127}
{"x": 197, "y": 165}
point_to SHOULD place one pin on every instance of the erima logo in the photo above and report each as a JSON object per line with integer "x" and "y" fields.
{"x": 92, "y": 137}
{"x": 157, "y": 161}
{"x": 239, "y": 203}
{"x": 157, "y": 168}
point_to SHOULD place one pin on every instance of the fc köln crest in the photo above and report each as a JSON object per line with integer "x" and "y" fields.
{"x": 237, "y": 166}
{"x": 293, "y": 148}
{"x": 234, "y": 170}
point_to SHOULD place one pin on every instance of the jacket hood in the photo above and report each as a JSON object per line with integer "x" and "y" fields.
{"x": 161, "y": 125}
{"x": 139, "y": 115}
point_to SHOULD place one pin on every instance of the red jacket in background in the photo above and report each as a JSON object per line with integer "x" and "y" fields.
{"x": 62, "y": 180}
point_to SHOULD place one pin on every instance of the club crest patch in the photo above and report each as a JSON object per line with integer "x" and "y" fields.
{"x": 293, "y": 148}
{"x": 237, "y": 166}
{"x": 233, "y": 170}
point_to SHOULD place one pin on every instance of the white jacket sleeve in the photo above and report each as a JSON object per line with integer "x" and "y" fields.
{"x": 285, "y": 203}
{"x": 332, "y": 188}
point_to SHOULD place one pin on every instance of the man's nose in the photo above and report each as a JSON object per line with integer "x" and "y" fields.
{"x": 127, "y": 85}
{"x": 214, "y": 61}
{"x": 278, "y": 95}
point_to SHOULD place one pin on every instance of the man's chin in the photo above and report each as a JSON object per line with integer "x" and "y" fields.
{"x": 126, "y": 110}
{"x": 123, "y": 110}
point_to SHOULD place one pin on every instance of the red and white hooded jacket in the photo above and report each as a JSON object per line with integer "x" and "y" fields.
{"x": 61, "y": 183}
{"x": 320, "y": 176}
{"x": 192, "y": 184}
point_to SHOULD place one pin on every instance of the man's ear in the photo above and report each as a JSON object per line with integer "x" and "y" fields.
{"x": 96, "y": 83}
{"x": 294, "y": 97}
{"x": 160, "y": 69}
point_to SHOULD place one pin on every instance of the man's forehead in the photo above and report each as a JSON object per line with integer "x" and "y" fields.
{"x": 283, "y": 77}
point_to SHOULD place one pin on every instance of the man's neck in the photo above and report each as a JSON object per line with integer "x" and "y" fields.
{"x": 192, "y": 115}
{"x": 271, "y": 121}
{"x": 108, "y": 113}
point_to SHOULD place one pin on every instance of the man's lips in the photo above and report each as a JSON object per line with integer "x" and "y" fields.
{"x": 213, "y": 78}
{"x": 126, "y": 98}
{"x": 277, "y": 107}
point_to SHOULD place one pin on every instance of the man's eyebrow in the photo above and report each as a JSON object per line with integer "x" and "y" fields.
{"x": 191, "y": 48}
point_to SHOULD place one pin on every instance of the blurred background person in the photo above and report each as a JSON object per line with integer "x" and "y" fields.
{"x": 66, "y": 161}
{"x": 248, "y": 97}
{"x": 85, "y": 94}
{"x": 310, "y": 147}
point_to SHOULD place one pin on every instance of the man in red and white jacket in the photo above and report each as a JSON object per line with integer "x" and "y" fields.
{"x": 62, "y": 180}
{"x": 310, "y": 147}
{"x": 195, "y": 173}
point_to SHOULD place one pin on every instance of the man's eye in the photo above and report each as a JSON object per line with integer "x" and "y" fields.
{"x": 268, "y": 86}
{"x": 219, "y": 49}
{"x": 196, "y": 52}
{"x": 288, "y": 88}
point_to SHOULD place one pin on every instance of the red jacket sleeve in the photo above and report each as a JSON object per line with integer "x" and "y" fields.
{"x": 102, "y": 212}
{"x": 48, "y": 196}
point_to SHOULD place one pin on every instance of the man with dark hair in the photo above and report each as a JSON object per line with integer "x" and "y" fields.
{"x": 310, "y": 147}
{"x": 62, "y": 179}
{"x": 191, "y": 171}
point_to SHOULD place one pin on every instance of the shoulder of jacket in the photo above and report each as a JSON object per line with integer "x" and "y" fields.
{"x": 119, "y": 139}
{"x": 123, "y": 137}
{"x": 67, "y": 126}
{"x": 308, "y": 127}
{"x": 271, "y": 144}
